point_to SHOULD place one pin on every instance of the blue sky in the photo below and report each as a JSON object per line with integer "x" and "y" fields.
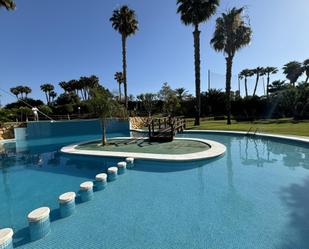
{"x": 51, "y": 41}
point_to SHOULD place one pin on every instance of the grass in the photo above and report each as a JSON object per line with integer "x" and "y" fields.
{"x": 281, "y": 126}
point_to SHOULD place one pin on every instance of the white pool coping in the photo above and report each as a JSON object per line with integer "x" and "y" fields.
{"x": 216, "y": 149}
{"x": 5, "y": 141}
{"x": 258, "y": 134}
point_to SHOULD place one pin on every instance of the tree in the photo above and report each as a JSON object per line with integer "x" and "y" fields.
{"x": 27, "y": 90}
{"x": 15, "y": 91}
{"x": 165, "y": 91}
{"x": 148, "y": 100}
{"x": 119, "y": 78}
{"x": 53, "y": 95}
{"x": 168, "y": 96}
{"x": 268, "y": 71}
{"x": 65, "y": 86}
{"x": 47, "y": 89}
{"x": 125, "y": 22}
{"x": 306, "y": 69}
{"x": 103, "y": 104}
{"x": 259, "y": 71}
{"x": 181, "y": 93}
{"x": 21, "y": 91}
{"x": 232, "y": 33}
{"x": 277, "y": 86}
{"x": 196, "y": 12}
{"x": 244, "y": 74}
{"x": 293, "y": 70}
{"x": 8, "y": 4}
{"x": 172, "y": 104}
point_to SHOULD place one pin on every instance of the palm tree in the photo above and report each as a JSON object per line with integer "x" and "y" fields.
{"x": 119, "y": 78}
{"x": 53, "y": 95}
{"x": 47, "y": 89}
{"x": 64, "y": 86}
{"x": 125, "y": 22}
{"x": 232, "y": 33}
{"x": 27, "y": 90}
{"x": 196, "y": 12}
{"x": 244, "y": 74}
{"x": 20, "y": 89}
{"x": 15, "y": 91}
{"x": 8, "y": 4}
{"x": 181, "y": 93}
{"x": 259, "y": 71}
{"x": 268, "y": 71}
{"x": 306, "y": 69}
{"x": 293, "y": 70}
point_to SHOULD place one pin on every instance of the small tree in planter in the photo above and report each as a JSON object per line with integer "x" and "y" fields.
{"x": 105, "y": 106}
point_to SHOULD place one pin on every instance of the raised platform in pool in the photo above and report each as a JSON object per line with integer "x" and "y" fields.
{"x": 181, "y": 149}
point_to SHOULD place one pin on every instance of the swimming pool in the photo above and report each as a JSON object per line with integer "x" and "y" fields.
{"x": 255, "y": 196}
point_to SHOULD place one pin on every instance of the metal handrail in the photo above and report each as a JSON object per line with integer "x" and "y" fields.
{"x": 248, "y": 132}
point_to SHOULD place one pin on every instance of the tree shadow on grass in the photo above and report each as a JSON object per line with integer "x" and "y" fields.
{"x": 296, "y": 198}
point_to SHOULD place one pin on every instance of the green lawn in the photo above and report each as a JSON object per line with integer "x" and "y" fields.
{"x": 282, "y": 126}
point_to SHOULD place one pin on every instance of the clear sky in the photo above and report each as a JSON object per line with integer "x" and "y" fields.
{"x": 51, "y": 41}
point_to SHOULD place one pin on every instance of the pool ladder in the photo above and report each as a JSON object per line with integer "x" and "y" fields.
{"x": 254, "y": 133}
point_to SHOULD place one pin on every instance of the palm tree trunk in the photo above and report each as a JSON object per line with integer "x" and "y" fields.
{"x": 197, "y": 61}
{"x": 246, "y": 87}
{"x": 124, "y": 69}
{"x": 119, "y": 92}
{"x": 46, "y": 97}
{"x": 229, "y": 64}
{"x": 104, "y": 141}
{"x": 267, "y": 86}
{"x": 256, "y": 83}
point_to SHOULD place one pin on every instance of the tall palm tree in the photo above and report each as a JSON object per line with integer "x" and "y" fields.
{"x": 27, "y": 90}
{"x": 306, "y": 69}
{"x": 232, "y": 33}
{"x": 259, "y": 71}
{"x": 64, "y": 85}
{"x": 125, "y": 22}
{"x": 53, "y": 95}
{"x": 21, "y": 91}
{"x": 244, "y": 74}
{"x": 119, "y": 78}
{"x": 268, "y": 71}
{"x": 47, "y": 89}
{"x": 8, "y": 4}
{"x": 196, "y": 12}
{"x": 15, "y": 91}
{"x": 293, "y": 70}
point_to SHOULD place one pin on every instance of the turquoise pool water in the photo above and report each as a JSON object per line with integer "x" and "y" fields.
{"x": 255, "y": 196}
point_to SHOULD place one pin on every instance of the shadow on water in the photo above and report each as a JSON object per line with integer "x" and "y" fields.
{"x": 296, "y": 198}
{"x": 165, "y": 166}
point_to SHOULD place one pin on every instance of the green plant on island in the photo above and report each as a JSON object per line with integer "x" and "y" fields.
{"x": 105, "y": 106}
